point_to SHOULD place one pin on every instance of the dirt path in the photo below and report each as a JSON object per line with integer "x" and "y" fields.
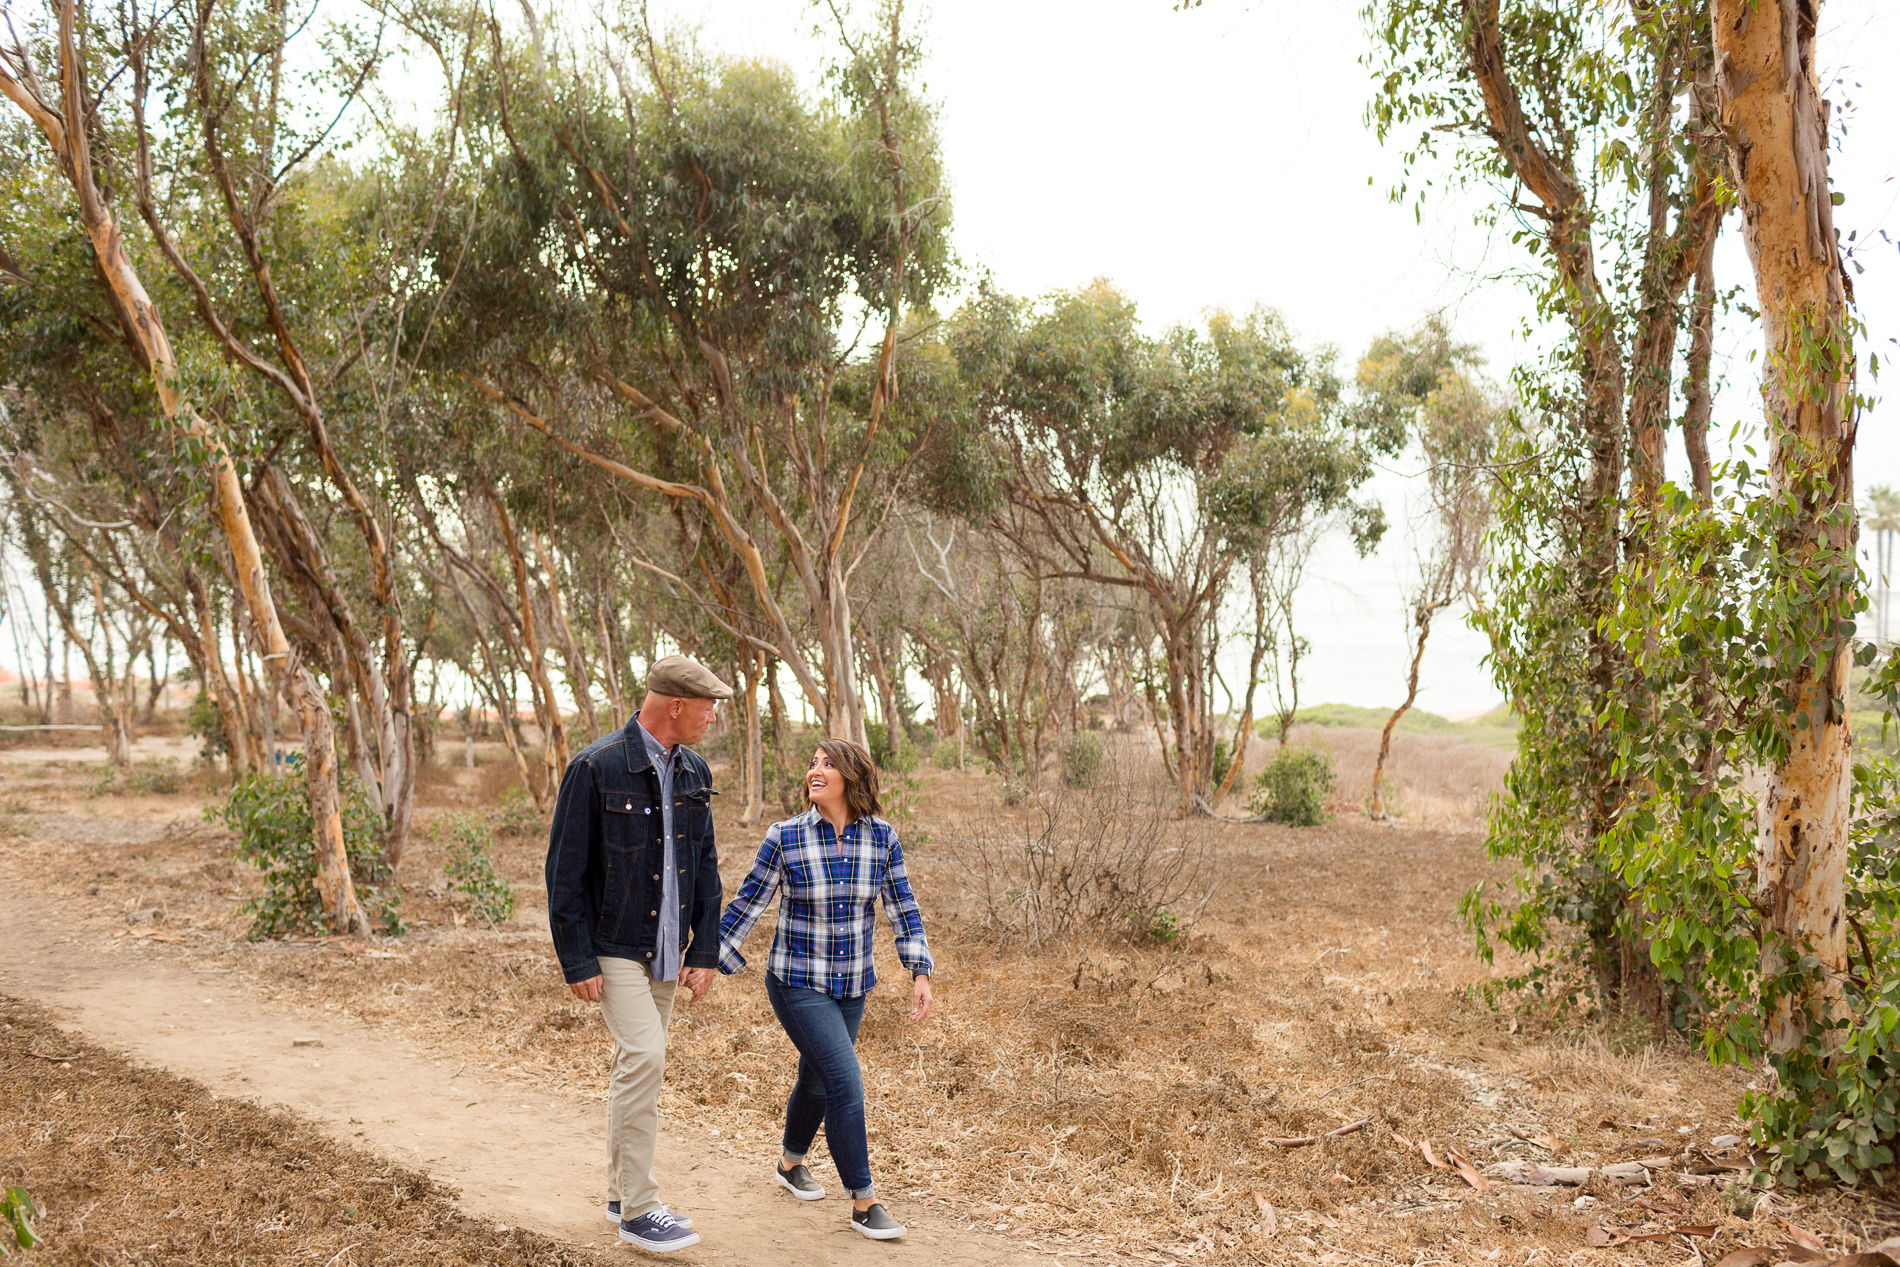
{"x": 518, "y": 1154}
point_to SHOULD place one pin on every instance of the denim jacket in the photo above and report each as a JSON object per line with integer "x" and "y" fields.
{"x": 605, "y": 855}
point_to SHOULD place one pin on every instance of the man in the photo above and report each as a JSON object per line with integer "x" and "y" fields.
{"x": 633, "y": 905}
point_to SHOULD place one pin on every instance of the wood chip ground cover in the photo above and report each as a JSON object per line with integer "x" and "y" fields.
{"x": 136, "y": 1165}
{"x": 1092, "y": 1098}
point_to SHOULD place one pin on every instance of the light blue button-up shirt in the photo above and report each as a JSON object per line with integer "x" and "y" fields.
{"x": 666, "y": 957}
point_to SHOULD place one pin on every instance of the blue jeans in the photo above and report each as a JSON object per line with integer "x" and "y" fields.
{"x": 830, "y": 1087}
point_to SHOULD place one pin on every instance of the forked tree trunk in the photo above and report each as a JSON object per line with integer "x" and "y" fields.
{"x": 1776, "y": 125}
{"x": 65, "y": 127}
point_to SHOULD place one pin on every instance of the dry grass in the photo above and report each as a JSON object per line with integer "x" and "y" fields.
{"x": 135, "y": 1165}
{"x": 1099, "y": 1094}
{"x": 1434, "y": 780}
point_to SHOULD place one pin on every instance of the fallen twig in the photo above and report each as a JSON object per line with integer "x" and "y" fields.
{"x": 1301, "y": 1141}
{"x": 55, "y": 1059}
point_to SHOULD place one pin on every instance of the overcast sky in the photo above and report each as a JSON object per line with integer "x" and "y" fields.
{"x": 1217, "y": 158}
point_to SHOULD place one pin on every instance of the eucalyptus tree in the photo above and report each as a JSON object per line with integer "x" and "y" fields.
{"x": 1566, "y": 115}
{"x": 1773, "y": 113}
{"x": 702, "y": 246}
{"x": 1427, "y": 379}
{"x": 48, "y": 82}
{"x": 1156, "y": 466}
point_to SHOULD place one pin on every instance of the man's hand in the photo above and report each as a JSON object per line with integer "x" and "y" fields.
{"x": 920, "y": 999}
{"x": 587, "y": 991}
{"x": 698, "y": 980}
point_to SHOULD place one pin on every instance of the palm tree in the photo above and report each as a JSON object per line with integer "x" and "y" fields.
{"x": 1882, "y": 515}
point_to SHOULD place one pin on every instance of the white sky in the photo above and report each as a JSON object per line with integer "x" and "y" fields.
{"x": 1217, "y": 157}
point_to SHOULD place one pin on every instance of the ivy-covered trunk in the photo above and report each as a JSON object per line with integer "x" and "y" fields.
{"x": 1776, "y": 125}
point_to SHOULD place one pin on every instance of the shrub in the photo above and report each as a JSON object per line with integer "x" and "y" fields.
{"x": 879, "y": 737}
{"x": 1294, "y": 787}
{"x": 515, "y": 815}
{"x": 153, "y": 776}
{"x": 205, "y": 722}
{"x": 944, "y": 755}
{"x": 1110, "y": 859}
{"x": 270, "y": 813}
{"x": 472, "y": 872}
{"x": 1082, "y": 755}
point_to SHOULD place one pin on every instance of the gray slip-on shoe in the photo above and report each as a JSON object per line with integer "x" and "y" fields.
{"x": 876, "y": 1223}
{"x": 798, "y": 1181}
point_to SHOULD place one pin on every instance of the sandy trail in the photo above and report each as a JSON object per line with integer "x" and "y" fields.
{"x": 518, "y": 1154}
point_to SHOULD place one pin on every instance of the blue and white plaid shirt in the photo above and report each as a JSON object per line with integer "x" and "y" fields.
{"x": 831, "y": 882}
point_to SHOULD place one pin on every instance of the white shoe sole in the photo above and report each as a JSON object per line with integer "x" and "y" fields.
{"x": 660, "y": 1247}
{"x": 878, "y": 1233}
{"x": 614, "y": 1219}
{"x": 786, "y": 1184}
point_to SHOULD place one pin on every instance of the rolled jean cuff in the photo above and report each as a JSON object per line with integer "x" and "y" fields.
{"x": 862, "y": 1194}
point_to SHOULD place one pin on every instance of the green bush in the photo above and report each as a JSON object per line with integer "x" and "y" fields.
{"x": 472, "y": 872}
{"x": 270, "y": 813}
{"x": 515, "y": 814}
{"x": 205, "y": 722}
{"x": 1082, "y": 755}
{"x": 1294, "y": 787}
{"x": 880, "y": 745}
{"x": 153, "y": 776}
{"x": 944, "y": 755}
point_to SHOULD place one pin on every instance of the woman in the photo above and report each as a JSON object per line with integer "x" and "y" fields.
{"x": 832, "y": 862}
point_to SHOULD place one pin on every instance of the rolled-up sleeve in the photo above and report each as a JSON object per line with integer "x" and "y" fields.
{"x": 749, "y": 903}
{"x": 907, "y": 921}
{"x": 570, "y": 845}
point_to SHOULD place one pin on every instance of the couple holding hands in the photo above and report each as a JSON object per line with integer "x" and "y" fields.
{"x": 634, "y": 909}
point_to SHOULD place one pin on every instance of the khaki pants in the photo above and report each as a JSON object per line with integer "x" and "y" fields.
{"x": 636, "y": 1009}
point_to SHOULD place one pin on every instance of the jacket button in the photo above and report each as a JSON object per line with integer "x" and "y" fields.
{"x": 652, "y": 912}
{"x": 656, "y": 877}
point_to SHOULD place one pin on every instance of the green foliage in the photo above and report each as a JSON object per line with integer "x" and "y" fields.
{"x": 904, "y": 761}
{"x": 204, "y": 721}
{"x": 472, "y": 872}
{"x": 17, "y": 1212}
{"x": 1161, "y": 925}
{"x": 1294, "y": 787}
{"x": 1082, "y": 755}
{"x": 515, "y": 816}
{"x": 944, "y": 755}
{"x": 270, "y": 814}
{"x": 155, "y": 776}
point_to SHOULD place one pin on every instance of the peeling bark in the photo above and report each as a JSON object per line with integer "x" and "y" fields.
{"x": 1776, "y": 124}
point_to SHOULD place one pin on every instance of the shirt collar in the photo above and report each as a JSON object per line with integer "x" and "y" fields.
{"x": 659, "y": 752}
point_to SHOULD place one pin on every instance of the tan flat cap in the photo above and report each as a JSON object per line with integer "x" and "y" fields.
{"x": 685, "y": 679}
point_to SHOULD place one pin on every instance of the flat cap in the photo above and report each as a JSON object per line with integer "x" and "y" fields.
{"x": 685, "y": 679}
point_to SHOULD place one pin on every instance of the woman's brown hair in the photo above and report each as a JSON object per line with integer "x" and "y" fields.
{"x": 853, "y": 761}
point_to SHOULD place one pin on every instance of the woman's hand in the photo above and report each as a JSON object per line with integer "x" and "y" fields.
{"x": 920, "y": 999}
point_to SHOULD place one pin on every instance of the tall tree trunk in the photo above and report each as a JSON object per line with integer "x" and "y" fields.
{"x": 1422, "y": 621}
{"x": 1776, "y": 124}
{"x": 754, "y": 740}
{"x": 547, "y": 707}
{"x": 1699, "y": 400}
{"x": 577, "y": 675}
{"x": 66, "y": 128}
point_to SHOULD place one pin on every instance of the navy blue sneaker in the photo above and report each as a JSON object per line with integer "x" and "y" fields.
{"x": 658, "y": 1232}
{"x": 613, "y": 1215}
